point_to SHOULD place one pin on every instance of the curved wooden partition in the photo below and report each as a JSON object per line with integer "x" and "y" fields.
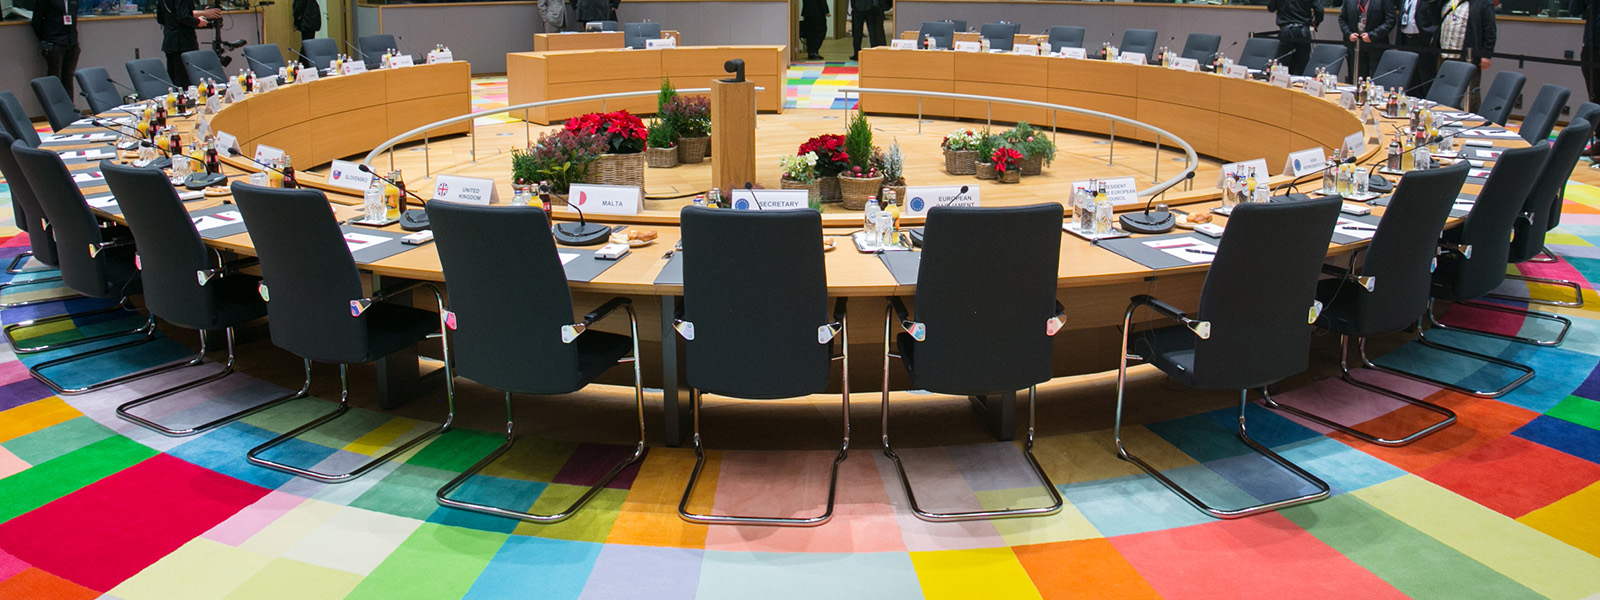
{"x": 539, "y": 76}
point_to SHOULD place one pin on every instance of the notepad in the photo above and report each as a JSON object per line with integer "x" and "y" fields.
{"x": 1189, "y": 249}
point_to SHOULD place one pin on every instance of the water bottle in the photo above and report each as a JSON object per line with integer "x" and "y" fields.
{"x": 868, "y": 220}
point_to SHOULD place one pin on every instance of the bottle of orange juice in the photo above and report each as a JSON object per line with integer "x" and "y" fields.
{"x": 391, "y": 198}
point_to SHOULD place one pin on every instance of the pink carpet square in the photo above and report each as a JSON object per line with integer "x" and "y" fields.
{"x": 10, "y": 565}
{"x": 794, "y": 484}
{"x": 244, "y": 524}
{"x": 10, "y": 464}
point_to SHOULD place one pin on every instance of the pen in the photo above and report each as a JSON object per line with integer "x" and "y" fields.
{"x": 1207, "y": 252}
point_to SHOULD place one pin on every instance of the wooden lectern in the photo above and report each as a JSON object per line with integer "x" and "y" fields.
{"x": 733, "y": 134}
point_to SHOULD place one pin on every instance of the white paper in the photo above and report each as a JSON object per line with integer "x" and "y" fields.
{"x": 566, "y": 257}
{"x": 82, "y": 137}
{"x": 267, "y": 154}
{"x": 95, "y": 154}
{"x": 921, "y": 198}
{"x": 1496, "y": 134}
{"x": 95, "y": 176}
{"x": 102, "y": 202}
{"x": 221, "y": 219}
{"x": 1025, "y": 49}
{"x": 1190, "y": 249}
{"x": 1355, "y": 229}
{"x": 359, "y": 241}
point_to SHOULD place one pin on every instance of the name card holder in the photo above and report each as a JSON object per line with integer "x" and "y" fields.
{"x": 353, "y": 67}
{"x": 661, "y": 43}
{"x": 226, "y": 140}
{"x": 465, "y": 190}
{"x": 1237, "y": 72}
{"x": 921, "y": 198}
{"x": 348, "y": 175}
{"x": 1025, "y": 49}
{"x": 770, "y": 199}
{"x": 1186, "y": 64}
{"x": 1131, "y": 58}
{"x": 1305, "y": 162}
{"x": 403, "y": 60}
{"x": 1355, "y": 143}
{"x": 1347, "y": 100}
{"x": 439, "y": 57}
{"x": 1121, "y": 190}
{"x": 1315, "y": 88}
{"x": 603, "y": 199}
{"x": 1078, "y": 53}
{"x": 307, "y": 75}
{"x": 1280, "y": 79}
{"x": 903, "y": 44}
{"x": 969, "y": 47}
{"x": 267, "y": 154}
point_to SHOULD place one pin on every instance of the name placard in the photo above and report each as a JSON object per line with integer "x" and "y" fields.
{"x": 1242, "y": 168}
{"x": 403, "y": 60}
{"x": 903, "y": 44}
{"x": 1121, "y": 190}
{"x": 1280, "y": 79}
{"x": 1078, "y": 53}
{"x": 1347, "y": 100}
{"x": 353, "y": 67}
{"x": 1355, "y": 143}
{"x": 466, "y": 190}
{"x": 235, "y": 93}
{"x": 921, "y": 198}
{"x": 1305, "y": 162}
{"x": 226, "y": 140}
{"x": 969, "y": 47}
{"x": 267, "y": 154}
{"x": 666, "y": 42}
{"x": 440, "y": 56}
{"x": 770, "y": 199}
{"x": 1131, "y": 58}
{"x": 348, "y": 175}
{"x": 1025, "y": 49}
{"x": 1236, "y": 72}
{"x": 305, "y": 75}
{"x": 1186, "y": 64}
{"x": 603, "y": 199}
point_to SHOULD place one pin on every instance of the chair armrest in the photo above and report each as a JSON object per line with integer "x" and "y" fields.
{"x": 359, "y": 306}
{"x": 97, "y": 248}
{"x": 1053, "y": 325}
{"x": 1201, "y": 329}
{"x": 1459, "y": 250}
{"x": 569, "y": 333}
{"x": 917, "y": 331}
{"x": 204, "y": 276}
{"x": 827, "y": 332}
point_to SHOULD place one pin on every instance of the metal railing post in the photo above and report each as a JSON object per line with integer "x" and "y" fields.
{"x": 919, "y": 115}
{"x": 1155, "y": 174}
{"x": 1111, "y": 157}
{"x": 427, "y": 164}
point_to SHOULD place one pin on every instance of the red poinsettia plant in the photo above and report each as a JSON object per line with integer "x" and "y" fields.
{"x": 623, "y": 132}
{"x": 831, "y": 157}
{"x": 1005, "y": 159}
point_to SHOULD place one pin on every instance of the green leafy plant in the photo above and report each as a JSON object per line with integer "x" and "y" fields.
{"x": 665, "y": 96}
{"x": 987, "y": 142}
{"x": 662, "y": 134}
{"x": 858, "y": 142}
{"x": 691, "y": 115}
{"x": 1031, "y": 142}
{"x": 562, "y": 157}
{"x": 800, "y": 168}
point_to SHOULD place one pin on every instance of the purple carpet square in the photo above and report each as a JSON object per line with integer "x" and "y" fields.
{"x": 22, "y": 392}
{"x": 590, "y": 462}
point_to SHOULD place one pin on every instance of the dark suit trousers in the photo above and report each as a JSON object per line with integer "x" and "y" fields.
{"x": 873, "y": 20}
{"x": 1427, "y": 59}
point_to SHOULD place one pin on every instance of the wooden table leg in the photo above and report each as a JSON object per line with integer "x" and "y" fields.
{"x": 673, "y": 400}
{"x": 398, "y": 372}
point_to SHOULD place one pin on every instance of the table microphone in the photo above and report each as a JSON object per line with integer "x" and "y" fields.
{"x": 1160, "y": 221}
{"x": 751, "y": 188}
{"x": 916, "y": 234}
{"x": 415, "y": 219}
{"x": 234, "y": 152}
{"x": 1218, "y": 53}
{"x": 358, "y": 50}
{"x": 1388, "y": 73}
{"x": 308, "y": 60}
{"x": 269, "y": 67}
{"x": 159, "y": 163}
{"x": 170, "y": 85}
{"x": 1409, "y": 89}
{"x": 582, "y": 233}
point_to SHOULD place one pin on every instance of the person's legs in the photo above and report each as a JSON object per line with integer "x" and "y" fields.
{"x": 1591, "y": 75}
{"x": 175, "y": 72}
{"x": 857, "y": 23}
{"x": 69, "y": 66}
{"x": 875, "y": 26}
{"x": 1295, "y": 36}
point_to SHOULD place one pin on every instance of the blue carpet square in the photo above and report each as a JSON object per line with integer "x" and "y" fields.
{"x": 533, "y": 567}
{"x": 1345, "y": 469}
{"x": 223, "y": 450}
{"x": 1139, "y": 503}
{"x": 1565, "y": 436}
{"x": 510, "y": 494}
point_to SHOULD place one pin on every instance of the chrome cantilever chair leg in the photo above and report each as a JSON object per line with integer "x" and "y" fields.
{"x": 15, "y": 267}
{"x": 148, "y": 331}
{"x": 37, "y": 280}
{"x": 638, "y": 452}
{"x": 1345, "y": 374}
{"x": 1566, "y": 324}
{"x": 1545, "y": 255}
{"x": 125, "y": 410}
{"x": 833, "y": 475}
{"x": 10, "y": 330}
{"x": 1525, "y": 370}
{"x": 974, "y": 515}
{"x": 1575, "y": 302}
{"x": 1244, "y": 436}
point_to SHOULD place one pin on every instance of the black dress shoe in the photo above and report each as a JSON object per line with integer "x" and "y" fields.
{"x": 855, "y": 57}
{"x": 814, "y": 57}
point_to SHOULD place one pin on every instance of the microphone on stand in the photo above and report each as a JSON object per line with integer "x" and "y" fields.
{"x": 749, "y": 187}
{"x": 234, "y": 152}
{"x": 415, "y": 219}
{"x": 358, "y": 50}
{"x": 170, "y": 86}
{"x": 159, "y": 163}
{"x": 1388, "y": 73}
{"x": 1218, "y": 53}
{"x": 1409, "y": 89}
{"x": 308, "y": 60}
{"x": 1293, "y": 182}
{"x": 582, "y": 233}
{"x": 269, "y": 67}
{"x": 1160, "y": 221}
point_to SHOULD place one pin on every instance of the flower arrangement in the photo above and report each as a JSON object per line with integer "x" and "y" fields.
{"x": 1005, "y": 159}
{"x": 858, "y": 143}
{"x": 691, "y": 115}
{"x": 831, "y": 158}
{"x": 621, "y": 131}
{"x": 1031, "y": 142}
{"x": 893, "y": 165}
{"x": 661, "y": 134}
{"x": 800, "y": 168}
{"x": 961, "y": 139}
{"x": 561, "y": 157}
{"x": 987, "y": 143}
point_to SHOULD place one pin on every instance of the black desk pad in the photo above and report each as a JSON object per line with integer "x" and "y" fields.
{"x": 585, "y": 267}
{"x": 903, "y": 265}
{"x": 235, "y": 224}
{"x": 672, "y": 273}
{"x": 380, "y": 250}
{"x": 1134, "y": 249}
{"x": 76, "y": 139}
{"x": 1342, "y": 239}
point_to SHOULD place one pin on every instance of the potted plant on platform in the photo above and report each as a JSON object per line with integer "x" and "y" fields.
{"x": 1007, "y": 164}
{"x": 831, "y": 160}
{"x": 692, "y": 117}
{"x": 661, "y": 147}
{"x": 800, "y": 173}
{"x": 893, "y": 166}
{"x": 961, "y": 152}
{"x": 862, "y": 179}
{"x": 985, "y": 151}
{"x": 561, "y": 157}
{"x": 623, "y": 135}
{"x": 1036, "y": 148}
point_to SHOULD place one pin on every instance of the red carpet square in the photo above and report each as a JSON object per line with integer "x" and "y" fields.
{"x": 104, "y": 533}
{"x": 1514, "y": 476}
{"x": 1265, "y": 556}
{"x": 1478, "y": 423}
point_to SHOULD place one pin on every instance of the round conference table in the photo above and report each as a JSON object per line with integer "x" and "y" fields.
{"x": 1095, "y": 284}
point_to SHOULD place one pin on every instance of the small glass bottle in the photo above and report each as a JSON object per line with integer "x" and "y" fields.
{"x": 869, "y": 220}
{"x": 289, "y": 181}
{"x": 1102, "y": 210}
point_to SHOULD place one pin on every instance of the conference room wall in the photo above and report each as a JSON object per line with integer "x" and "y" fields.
{"x": 105, "y": 42}
{"x": 736, "y": 23}
{"x": 1529, "y": 37}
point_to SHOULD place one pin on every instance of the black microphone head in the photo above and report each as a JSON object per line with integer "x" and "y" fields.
{"x": 963, "y": 190}
{"x": 748, "y": 186}
{"x": 364, "y": 168}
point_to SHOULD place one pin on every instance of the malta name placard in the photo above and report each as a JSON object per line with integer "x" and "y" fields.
{"x": 465, "y": 190}
{"x": 921, "y": 198}
{"x": 1237, "y": 72}
{"x": 1242, "y": 169}
{"x": 603, "y": 199}
{"x": 1120, "y": 190}
{"x": 403, "y": 60}
{"x": 1305, "y": 162}
{"x": 348, "y": 175}
{"x": 770, "y": 199}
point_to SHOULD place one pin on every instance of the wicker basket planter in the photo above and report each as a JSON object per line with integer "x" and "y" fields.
{"x": 661, "y": 158}
{"x": 829, "y": 186}
{"x": 960, "y": 162}
{"x": 693, "y": 150}
{"x": 855, "y": 190}
{"x": 986, "y": 171}
{"x": 813, "y": 189}
{"x": 1032, "y": 166}
{"x": 618, "y": 169}
{"x": 1012, "y": 176}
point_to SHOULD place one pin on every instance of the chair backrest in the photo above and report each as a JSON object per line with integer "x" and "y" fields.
{"x": 1259, "y": 292}
{"x": 1142, "y": 41}
{"x": 96, "y": 85}
{"x": 309, "y": 273}
{"x": 1066, "y": 36}
{"x": 25, "y": 207}
{"x": 59, "y": 108}
{"x": 1000, "y": 35}
{"x": 1401, "y": 254}
{"x": 1329, "y": 57}
{"x": 1589, "y": 112}
{"x": 1544, "y": 112}
{"x": 755, "y": 314}
{"x": 958, "y": 25}
{"x": 1489, "y": 225}
{"x": 264, "y": 59}
{"x": 202, "y": 65}
{"x": 320, "y": 51}
{"x": 73, "y": 225}
{"x": 1586, "y": 111}
{"x": 1257, "y": 51}
{"x": 1503, "y": 94}
{"x": 635, "y": 34}
{"x": 510, "y": 297}
{"x": 997, "y": 300}
{"x": 1534, "y": 222}
{"x": 147, "y": 75}
{"x": 1201, "y": 46}
{"x": 603, "y": 25}
{"x": 373, "y": 46}
{"x": 16, "y": 120}
{"x": 944, "y": 34}
{"x": 1395, "y": 68}
{"x": 170, "y": 250}
{"x": 1450, "y": 88}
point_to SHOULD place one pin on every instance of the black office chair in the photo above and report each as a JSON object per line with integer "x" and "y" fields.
{"x": 320, "y": 52}
{"x": 944, "y": 34}
{"x": 1395, "y": 68}
{"x": 1001, "y": 35}
{"x": 1257, "y": 52}
{"x": 319, "y": 313}
{"x": 1527, "y": 243}
{"x": 1140, "y": 41}
{"x": 97, "y": 87}
{"x": 1251, "y": 329}
{"x": 634, "y": 35}
{"x": 1450, "y": 88}
{"x": 1502, "y": 96}
{"x": 1066, "y": 36}
{"x": 602, "y": 26}
{"x": 1201, "y": 47}
{"x": 185, "y": 283}
{"x": 59, "y": 108}
{"x": 1388, "y": 292}
{"x": 778, "y": 344}
{"x": 29, "y": 217}
{"x": 1589, "y": 112}
{"x": 148, "y": 76}
{"x": 493, "y": 338}
{"x": 1542, "y": 115}
{"x": 967, "y": 300}
{"x": 264, "y": 59}
{"x": 16, "y": 120}
{"x": 373, "y": 46}
{"x": 202, "y": 65}
{"x": 958, "y": 25}
{"x": 1328, "y": 57}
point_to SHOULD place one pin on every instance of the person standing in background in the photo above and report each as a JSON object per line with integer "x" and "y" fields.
{"x": 552, "y": 13}
{"x": 178, "y": 20}
{"x": 1419, "y": 32}
{"x": 593, "y": 10}
{"x": 1467, "y": 30}
{"x": 1366, "y": 21}
{"x": 868, "y": 14}
{"x": 55, "y": 23}
{"x": 307, "y": 18}
{"x": 814, "y": 26}
{"x": 1297, "y": 23}
{"x": 1585, "y": 10}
